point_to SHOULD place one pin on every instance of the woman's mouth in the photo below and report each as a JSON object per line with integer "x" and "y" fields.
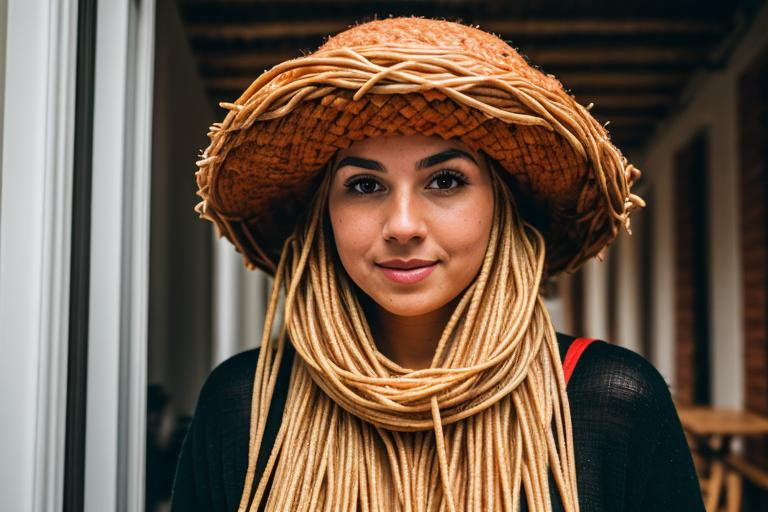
{"x": 407, "y": 272}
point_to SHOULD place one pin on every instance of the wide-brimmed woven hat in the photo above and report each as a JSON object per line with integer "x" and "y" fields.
{"x": 405, "y": 76}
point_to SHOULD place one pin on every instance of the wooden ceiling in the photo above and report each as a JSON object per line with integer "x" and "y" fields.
{"x": 631, "y": 59}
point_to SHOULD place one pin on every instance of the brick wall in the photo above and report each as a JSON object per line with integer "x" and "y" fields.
{"x": 692, "y": 366}
{"x": 753, "y": 155}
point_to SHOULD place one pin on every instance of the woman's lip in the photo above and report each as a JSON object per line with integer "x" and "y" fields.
{"x": 408, "y": 276}
{"x": 406, "y": 264}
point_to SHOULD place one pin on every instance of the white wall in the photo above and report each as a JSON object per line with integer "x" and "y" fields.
{"x": 180, "y": 328}
{"x": 205, "y": 305}
{"x": 628, "y": 293}
{"x": 711, "y": 104}
{"x": 239, "y": 303}
{"x": 596, "y": 299}
{"x": 626, "y": 252}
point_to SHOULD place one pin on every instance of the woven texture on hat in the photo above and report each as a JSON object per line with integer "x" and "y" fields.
{"x": 413, "y": 76}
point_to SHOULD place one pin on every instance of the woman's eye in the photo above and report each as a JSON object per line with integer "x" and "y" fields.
{"x": 446, "y": 180}
{"x": 363, "y": 186}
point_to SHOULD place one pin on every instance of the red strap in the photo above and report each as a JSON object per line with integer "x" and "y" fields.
{"x": 578, "y": 346}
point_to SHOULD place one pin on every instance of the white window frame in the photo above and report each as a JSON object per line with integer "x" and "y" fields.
{"x": 35, "y": 233}
{"x": 38, "y": 107}
{"x": 117, "y": 348}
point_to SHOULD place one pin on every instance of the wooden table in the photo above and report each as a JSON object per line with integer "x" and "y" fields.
{"x": 713, "y": 430}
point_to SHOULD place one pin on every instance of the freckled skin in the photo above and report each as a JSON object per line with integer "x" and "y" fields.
{"x": 408, "y": 214}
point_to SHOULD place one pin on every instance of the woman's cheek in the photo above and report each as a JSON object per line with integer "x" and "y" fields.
{"x": 359, "y": 236}
{"x": 467, "y": 234}
{"x": 353, "y": 242}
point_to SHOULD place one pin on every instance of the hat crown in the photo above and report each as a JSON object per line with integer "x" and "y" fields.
{"x": 489, "y": 53}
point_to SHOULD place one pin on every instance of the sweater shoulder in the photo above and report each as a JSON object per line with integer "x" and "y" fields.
{"x": 230, "y": 383}
{"x": 620, "y": 377}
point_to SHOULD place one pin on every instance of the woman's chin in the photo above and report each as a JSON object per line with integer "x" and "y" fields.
{"x": 410, "y": 305}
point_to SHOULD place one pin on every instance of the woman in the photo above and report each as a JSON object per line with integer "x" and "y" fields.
{"x": 409, "y": 185}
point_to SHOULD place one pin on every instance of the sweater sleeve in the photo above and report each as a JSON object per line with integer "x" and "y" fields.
{"x": 214, "y": 455}
{"x": 630, "y": 449}
{"x": 191, "y": 488}
{"x": 672, "y": 483}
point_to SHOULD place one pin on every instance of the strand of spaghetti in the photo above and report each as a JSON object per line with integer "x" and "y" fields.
{"x": 440, "y": 440}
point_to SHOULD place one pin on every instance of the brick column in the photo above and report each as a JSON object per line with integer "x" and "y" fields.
{"x": 753, "y": 187}
{"x": 692, "y": 365}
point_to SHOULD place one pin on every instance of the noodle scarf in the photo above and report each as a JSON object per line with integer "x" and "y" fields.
{"x": 360, "y": 432}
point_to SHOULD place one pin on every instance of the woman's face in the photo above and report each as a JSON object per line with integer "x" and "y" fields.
{"x": 411, "y": 217}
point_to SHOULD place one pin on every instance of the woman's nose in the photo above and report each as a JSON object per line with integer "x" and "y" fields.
{"x": 404, "y": 219}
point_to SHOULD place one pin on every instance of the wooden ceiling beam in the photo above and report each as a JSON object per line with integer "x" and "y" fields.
{"x": 216, "y": 63}
{"x": 249, "y": 3}
{"x": 507, "y": 28}
{"x": 575, "y": 80}
{"x": 229, "y": 83}
{"x": 627, "y": 55}
{"x": 628, "y": 120}
{"x": 602, "y": 27}
{"x": 266, "y": 30}
{"x": 627, "y": 100}
{"x": 630, "y": 132}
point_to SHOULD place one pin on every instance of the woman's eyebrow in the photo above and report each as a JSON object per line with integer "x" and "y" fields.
{"x": 444, "y": 156}
{"x": 371, "y": 165}
{"x": 437, "y": 158}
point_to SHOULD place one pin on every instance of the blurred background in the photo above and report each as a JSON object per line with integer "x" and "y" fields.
{"x": 683, "y": 85}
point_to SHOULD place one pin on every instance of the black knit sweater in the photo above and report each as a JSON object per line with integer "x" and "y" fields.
{"x": 631, "y": 454}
